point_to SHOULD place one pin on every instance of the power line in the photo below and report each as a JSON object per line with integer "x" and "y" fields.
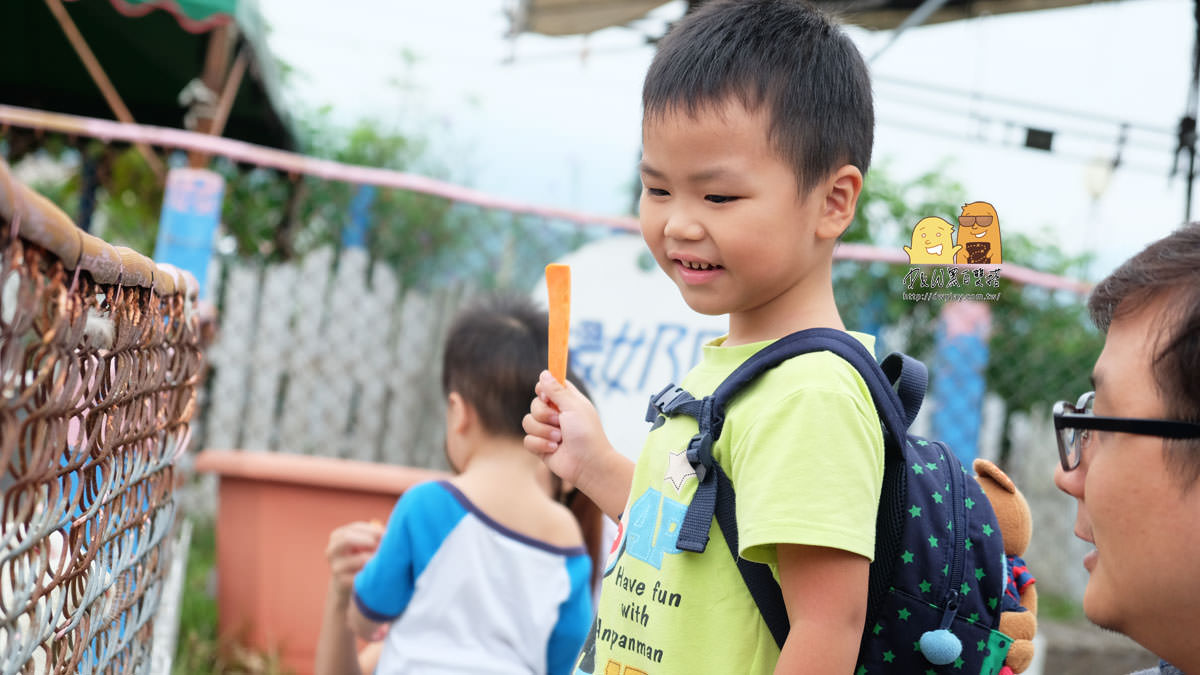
{"x": 1039, "y": 135}
{"x": 1028, "y": 105}
{"x": 1059, "y": 130}
{"x": 1057, "y": 154}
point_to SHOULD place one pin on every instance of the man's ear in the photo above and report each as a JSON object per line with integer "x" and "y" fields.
{"x": 839, "y": 193}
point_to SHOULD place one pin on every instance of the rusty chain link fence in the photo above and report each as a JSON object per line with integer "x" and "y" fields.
{"x": 100, "y": 356}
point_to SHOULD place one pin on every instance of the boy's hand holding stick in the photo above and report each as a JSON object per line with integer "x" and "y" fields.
{"x": 562, "y": 426}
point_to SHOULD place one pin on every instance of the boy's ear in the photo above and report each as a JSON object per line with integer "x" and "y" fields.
{"x": 459, "y": 414}
{"x": 840, "y": 194}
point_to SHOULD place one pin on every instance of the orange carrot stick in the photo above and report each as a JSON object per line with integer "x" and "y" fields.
{"x": 558, "y": 289}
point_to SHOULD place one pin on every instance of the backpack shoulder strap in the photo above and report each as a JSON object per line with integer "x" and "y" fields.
{"x": 715, "y": 496}
{"x": 910, "y": 377}
{"x": 710, "y": 411}
{"x": 893, "y": 409}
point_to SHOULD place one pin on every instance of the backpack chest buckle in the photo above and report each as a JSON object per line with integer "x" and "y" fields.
{"x": 699, "y": 454}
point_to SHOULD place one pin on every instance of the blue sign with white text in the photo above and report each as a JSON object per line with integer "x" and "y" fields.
{"x": 190, "y": 215}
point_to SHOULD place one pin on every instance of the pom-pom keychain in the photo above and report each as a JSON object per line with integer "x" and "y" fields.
{"x": 940, "y": 646}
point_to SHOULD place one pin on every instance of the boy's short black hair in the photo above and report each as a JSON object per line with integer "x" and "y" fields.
{"x": 494, "y": 352}
{"x": 785, "y": 55}
{"x": 1166, "y": 270}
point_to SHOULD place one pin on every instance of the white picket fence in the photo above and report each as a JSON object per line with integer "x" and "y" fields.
{"x": 326, "y": 357}
{"x": 319, "y": 357}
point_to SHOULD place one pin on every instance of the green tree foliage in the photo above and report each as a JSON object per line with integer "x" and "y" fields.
{"x": 1042, "y": 344}
{"x": 271, "y": 216}
{"x": 870, "y": 295}
{"x": 274, "y": 216}
{"x": 888, "y": 208}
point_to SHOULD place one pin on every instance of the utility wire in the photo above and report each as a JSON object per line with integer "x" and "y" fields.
{"x": 1028, "y": 105}
{"x": 1056, "y": 154}
{"x": 1119, "y": 138}
{"x": 1058, "y": 129}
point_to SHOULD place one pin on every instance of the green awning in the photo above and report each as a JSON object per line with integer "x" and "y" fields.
{"x": 150, "y": 51}
{"x": 194, "y": 16}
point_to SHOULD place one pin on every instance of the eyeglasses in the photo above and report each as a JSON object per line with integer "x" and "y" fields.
{"x": 1074, "y": 424}
{"x": 968, "y": 221}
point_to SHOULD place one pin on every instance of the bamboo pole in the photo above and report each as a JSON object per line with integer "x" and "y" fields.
{"x": 229, "y": 93}
{"x": 216, "y": 126}
{"x": 215, "y": 78}
{"x": 101, "y": 79}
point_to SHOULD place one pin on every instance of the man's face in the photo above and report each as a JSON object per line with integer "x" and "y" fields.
{"x": 1144, "y": 572}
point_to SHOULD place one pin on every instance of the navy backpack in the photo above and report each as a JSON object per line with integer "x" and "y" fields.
{"x": 936, "y": 587}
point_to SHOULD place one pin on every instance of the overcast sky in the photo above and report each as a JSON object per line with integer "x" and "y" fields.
{"x": 557, "y": 120}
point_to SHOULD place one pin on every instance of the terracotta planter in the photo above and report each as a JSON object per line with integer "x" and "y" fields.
{"x": 274, "y": 516}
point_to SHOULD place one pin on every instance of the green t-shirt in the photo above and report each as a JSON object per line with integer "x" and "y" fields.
{"x": 804, "y": 450}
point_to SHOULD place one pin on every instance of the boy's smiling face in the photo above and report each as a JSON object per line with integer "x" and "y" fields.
{"x": 725, "y": 219}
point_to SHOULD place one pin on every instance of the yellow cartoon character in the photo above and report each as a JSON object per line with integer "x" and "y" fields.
{"x": 979, "y": 235}
{"x": 932, "y": 243}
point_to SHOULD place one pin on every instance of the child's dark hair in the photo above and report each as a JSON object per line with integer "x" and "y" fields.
{"x": 784, "y": 55}
{"x": 495, "y": 350}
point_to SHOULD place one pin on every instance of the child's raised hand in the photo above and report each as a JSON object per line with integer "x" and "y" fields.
{"x": 563, "y": 428}
{"x": 350, "y": 547}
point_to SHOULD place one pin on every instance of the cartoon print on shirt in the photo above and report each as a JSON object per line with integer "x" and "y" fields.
{"x": 648, "y": 531}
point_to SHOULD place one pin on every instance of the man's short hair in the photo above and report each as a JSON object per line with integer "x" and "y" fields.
{"x": 784, "y": 55}
{"x": 494, "y": 352}
{"x": 1167, "y": 270}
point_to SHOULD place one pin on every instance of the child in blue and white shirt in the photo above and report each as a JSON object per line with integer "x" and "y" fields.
{"x": 485, "y": 572}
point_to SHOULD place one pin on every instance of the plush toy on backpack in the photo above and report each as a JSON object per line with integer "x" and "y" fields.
{"x": 1016, "y": 527}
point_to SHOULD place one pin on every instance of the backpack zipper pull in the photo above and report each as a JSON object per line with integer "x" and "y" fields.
{"x": 951, "y": 610}
{"x": 941, "y": 647}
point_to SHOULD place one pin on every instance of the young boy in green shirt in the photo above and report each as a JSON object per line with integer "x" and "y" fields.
{"x": 757, "y": 131}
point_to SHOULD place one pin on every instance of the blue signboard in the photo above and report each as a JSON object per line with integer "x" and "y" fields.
{"x": 190, "y": 214}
